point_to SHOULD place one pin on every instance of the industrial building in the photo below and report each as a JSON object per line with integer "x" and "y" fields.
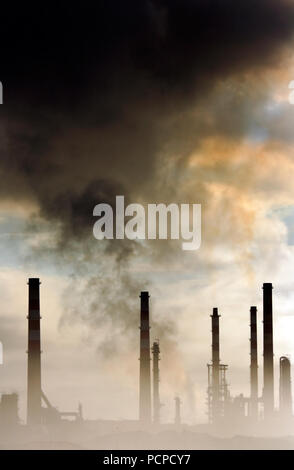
{"x": 224, "y": 409}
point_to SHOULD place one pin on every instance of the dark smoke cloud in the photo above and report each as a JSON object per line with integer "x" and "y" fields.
{"x": 69, "y": 52}
{"x": 94, "y": 95}
{"x": 88, "y": 88}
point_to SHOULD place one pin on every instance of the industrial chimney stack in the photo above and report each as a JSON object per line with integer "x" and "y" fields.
{"x": 156, "y": 399}
{"x": 268, "y": 354}
{"x": 145, "y": 385}
{"x": 215, "y": 365}
{"x": 253, "y": 365}
{"x": 34, "y": 409}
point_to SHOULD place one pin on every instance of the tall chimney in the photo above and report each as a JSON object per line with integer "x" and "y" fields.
{"x": 285, "y": 387}
{"x": 145, "y": 386}
{"x": 34, "y": 410}
{"x": 156, "y": 400}
{"x": 215, "y": 365}
{"x": 268, "y": 354}
{"x": 253, "y": 365}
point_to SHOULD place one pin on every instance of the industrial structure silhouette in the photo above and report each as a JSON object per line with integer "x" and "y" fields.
{"x": 223, "y": 410}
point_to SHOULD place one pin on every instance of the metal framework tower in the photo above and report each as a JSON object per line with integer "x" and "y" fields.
{"x": 268, "y": 354}
{"x": 145, "y": 385}
{"x": 217, "y": 391}
{"x": 285, "y": 387}
{"x": 253, "y": 364}
{"x": 34, "y": 393}
{"x": 156, "y": 399}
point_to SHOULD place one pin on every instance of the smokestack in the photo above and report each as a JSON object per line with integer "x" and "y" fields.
{"x": 156, "y": 400}
{"x": 285, "y": 387}
{"x": 215, "y": 364}
{"x": 177, "y": 411}
{"x": 145, "y": 386}
{"x": 80, "y": 412}
{"x": 253, "y": 364}
{"x": 268, "y": 354}
{"x": 34, "y": 410}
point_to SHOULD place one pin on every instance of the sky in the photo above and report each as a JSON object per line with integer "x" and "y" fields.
{"x": 160, "y": 101}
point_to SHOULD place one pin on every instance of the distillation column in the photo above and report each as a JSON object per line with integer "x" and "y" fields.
{"x": 285, "y": 387}
{"x": 156, "y": 399}
{"x": 145, "y": 385}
